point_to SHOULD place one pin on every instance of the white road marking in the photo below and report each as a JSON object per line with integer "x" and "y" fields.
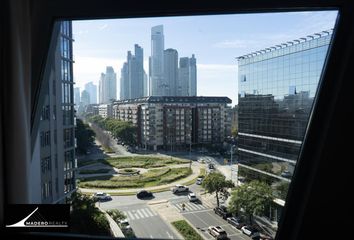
{"x": 141, "y": 215}
{"x": 130, "y": 215}
{"x": 145, "y": 214}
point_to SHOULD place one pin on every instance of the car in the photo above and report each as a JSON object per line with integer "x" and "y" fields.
{"x": 286, "y": 174}
{"x": 211, "y": 166}
{"x": 101, "y": 196}
{"x": 217, "y": 232}
{"x": 263, "y": 236}
{"x": 250, "y": 231}
{"x": 200, "y": 160}
{"x": 179, "y": 188}
{"x": 236, "y": 222}
{"x": 143, "y": 194}
{"x": 199, "y": 181}
{"x": 192, "y": 197}
{"x": 222, "y": 211}
{"x": 125, "y": 227}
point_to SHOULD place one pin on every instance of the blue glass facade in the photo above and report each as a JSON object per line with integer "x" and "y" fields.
{"x": 277, "y": 87}
{"x": 66, "y": 74}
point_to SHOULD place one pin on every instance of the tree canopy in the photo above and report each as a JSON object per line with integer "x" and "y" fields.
{"x": 85, "y": 136}
{"x": 126, "y": 131}
{"x": 216, "y": 182}
{"x": 253, "y": 198}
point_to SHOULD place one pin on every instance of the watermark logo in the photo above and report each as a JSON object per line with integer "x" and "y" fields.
{"x": 42, "y": 217}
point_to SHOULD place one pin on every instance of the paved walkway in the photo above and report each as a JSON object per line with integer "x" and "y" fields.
{"x": 195, "y": 168}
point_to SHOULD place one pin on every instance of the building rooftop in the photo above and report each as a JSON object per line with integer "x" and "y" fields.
{"x": 288, "y": 47}
{"x": 176, "y": 99}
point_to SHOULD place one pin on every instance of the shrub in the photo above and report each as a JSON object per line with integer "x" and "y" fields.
{"x": 186, "y": 230}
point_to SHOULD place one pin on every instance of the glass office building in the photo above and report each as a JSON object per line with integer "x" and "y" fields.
{"x": 277, "y": 87}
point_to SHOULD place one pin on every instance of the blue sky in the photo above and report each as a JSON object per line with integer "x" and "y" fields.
{"x": 216, "y": 40}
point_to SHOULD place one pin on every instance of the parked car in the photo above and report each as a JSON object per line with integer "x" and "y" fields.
{"x": 263, "y": 236}
{"x": 236, "y": 222}
{"x": 217, "y": 232}
{"x": 286, "y": 174}
{"x": 222, "y": 211}
{"x": 126, "y": 228}
{"x": 179, "y": 188}
{"x": 192, "y": 197}
{"x": 199, "y": 181}
{"x": 101, "y": 196}
{"x": 250, "y": 231}
{"x": 143, "y": 194}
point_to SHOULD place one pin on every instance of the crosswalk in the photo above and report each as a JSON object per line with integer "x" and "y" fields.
{"x": 190, "y": 207}
{"x": 137, "y": 214}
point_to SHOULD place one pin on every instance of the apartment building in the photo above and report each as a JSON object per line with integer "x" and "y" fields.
{"x": 174, "y": 123}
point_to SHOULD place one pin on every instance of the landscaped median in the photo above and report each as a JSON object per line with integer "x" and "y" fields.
{"x": 186, "y": 230}
{"x": 157, "y": 173}
{"x": 153, "y": 177}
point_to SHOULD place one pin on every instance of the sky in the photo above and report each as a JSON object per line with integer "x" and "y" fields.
{"x": 216, "y": 41}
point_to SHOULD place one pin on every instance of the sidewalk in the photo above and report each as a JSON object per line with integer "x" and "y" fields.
{"x": 195, "y": 168}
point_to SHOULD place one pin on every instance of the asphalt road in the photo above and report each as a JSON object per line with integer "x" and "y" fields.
{"x": 146, "y": 223}
{"x": 202, "y": 219}
{"x": 118, "y": 201}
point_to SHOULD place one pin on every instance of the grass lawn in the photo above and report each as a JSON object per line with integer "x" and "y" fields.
{"x": 186, "y": 230}
{"x": 143, "y": 162}
{"x": 153, "y": 177}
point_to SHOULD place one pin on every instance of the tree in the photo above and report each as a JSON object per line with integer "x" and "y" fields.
{"x": 84, "y": 135}
{"x": 117, "y": 215}
{"x": 234, "y": 131}
{"x": 86, "y": 218}
{"x": 282, "y": 189}
{"x": 252, "y": 197}
{"x": 216, "y": 182}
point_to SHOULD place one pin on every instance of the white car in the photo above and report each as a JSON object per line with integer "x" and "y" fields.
{"x": 217, "y": 232}
{"x": 199, "y": 181}
{"x": 250, "y": 231}
{"x": 179, "y": 188}
{"x": 101, "y": 196}
{"x": 192, "y": 197}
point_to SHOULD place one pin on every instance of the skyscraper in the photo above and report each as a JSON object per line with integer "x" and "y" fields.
{"x": 85, "y": 98}
{"x": 187, "y": 76}
{"x": 158, "y": 86}
{"x": 77, "y": 96}
{"x": 108, "y": 86}
{"x": 124, "y": 82}
{"x": 171, "y": 71}
{"x": 183, "y": 77}
{"x": 101, "y": 86}
{"x": 192, "y": 85}
{"x": 132, "y": 75}
{"x": 92, "y": 90}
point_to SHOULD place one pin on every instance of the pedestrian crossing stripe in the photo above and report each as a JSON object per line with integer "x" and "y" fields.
{"x": 139, "y": 213}
{"x": 190, "y": 207}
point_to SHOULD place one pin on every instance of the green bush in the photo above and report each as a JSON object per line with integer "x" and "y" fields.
{"x": 186, "y": 230}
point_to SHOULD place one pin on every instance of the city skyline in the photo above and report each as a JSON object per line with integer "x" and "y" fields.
{"x": 211, "y": 38}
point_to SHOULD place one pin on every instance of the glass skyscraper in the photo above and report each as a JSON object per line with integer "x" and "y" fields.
{"x": 277, "y": 87}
